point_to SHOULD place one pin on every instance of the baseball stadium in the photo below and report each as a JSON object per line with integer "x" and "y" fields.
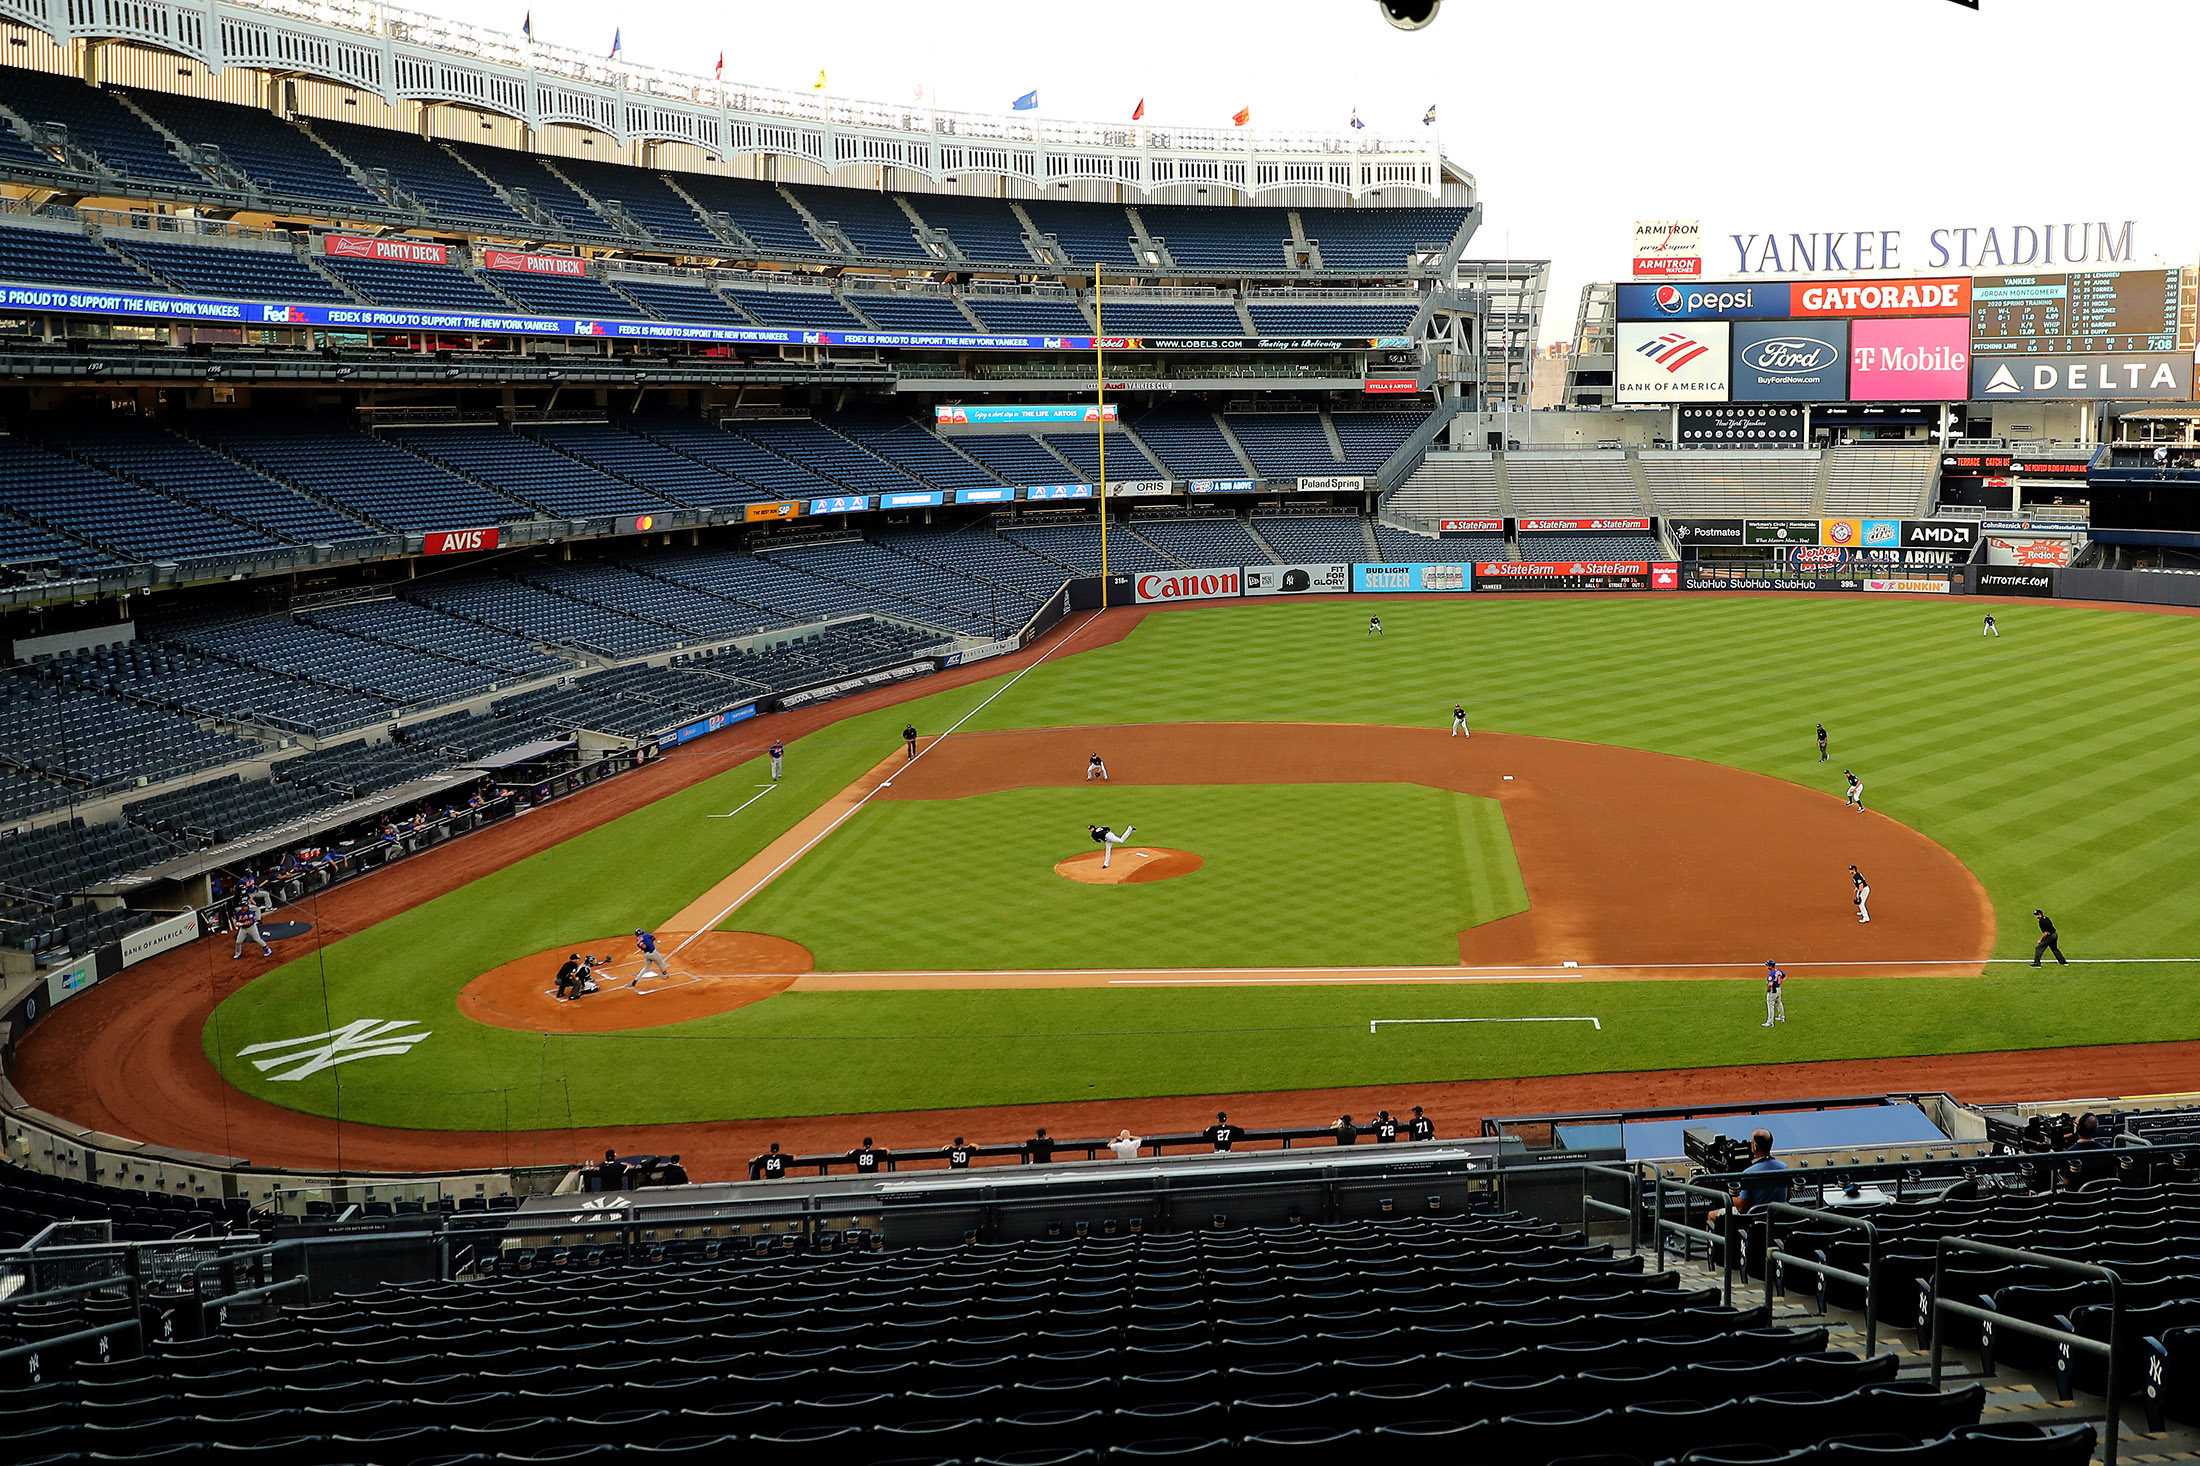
{"x": 712, "y": 771}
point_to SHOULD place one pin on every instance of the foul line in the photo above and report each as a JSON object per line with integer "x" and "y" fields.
{"x": 773, "y": 873}
{"x": 1374, "y": 1023}
{"x": 729, "y": 814}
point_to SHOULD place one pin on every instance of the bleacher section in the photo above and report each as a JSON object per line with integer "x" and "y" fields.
{"x": 765, "y": 474}
{"x": 1310, "y": 539}
{"x": 985, "y": 230}
{"x": 1029, "y": 315}
{"x": 63, "y": 933}
{"x": 100, "y": 124}
{"x": 1724, "y": 483}
{"x": 564, "y": 295}
{"x": 1404, "y": 547}
{"x": 1285, "y": 444}
{"x": 982, "y": 555}
{"x": 528, "y": 471}
{"x": 640, "y": 461}
{"x": 1370, "y": 438}
{"x": 406, "y": 286}
{"x": 1167, "y": 316}
{"x": 645, "y": 197}
{"x": 808, "y": 442}
{"x": 281, "y": 159}
{"x": 678, "y": 300}
{"x": 394, "y": 674}
{"x": 912, "y": 447}
{"x": 356, "y": 471}
{"x": 1589, "y": 547}
{"x": 1090, "y": 233}
{"x": 812, "y": 310}
{"x": 253, "y": 274}
{"x": 1125, "y": 459}
{"x": 1378, "y": 241}
{"x": 1202, "y": 541}
{"x": 872, "y": 222}
{"x": 1188, "y": 443}
{"x": 1276, "y": 316}
{"x": 73, "y": 498}
{"x": 416, "y": 628}
{"x": 1577, "y": 485}
{"x": 423, "y": 168}
{"x": 528, "y": 176}
{"x": 907, "y": 311}
{"x": 909, "y": 588}
{"x": 31, "y": 1200}
{"x": 79, "y": 718}
{"x": 758, "y": 210}
{"x": 542, "y": 616}
{"x": 1450, "y": 486}
{"x": 51, "y": 257}
{"x": 1075, "y": 545}
{"x": 1254, "y": 240}
{"x": 1868, "y": 481}
{"x": 1020, "y": 458}
{"x": 52, "y": 861}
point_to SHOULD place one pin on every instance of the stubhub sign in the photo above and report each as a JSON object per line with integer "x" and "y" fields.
{"x": 1724, "y": 302}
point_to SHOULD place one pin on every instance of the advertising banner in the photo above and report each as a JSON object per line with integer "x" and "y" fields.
{"x": 1297, "y": 580}
{"x": 1973, "y": 464}
{"x": 1043, "y": 413}
{"x": 1559, "y": 526}
{"x": 1703, "y": 302}
{"x": 710, "y": 724}
{"x": 458, "y": 541}
{"x": 1939, "y": 534}
{"x": 66, "y": 982}
{"x": 2036, "y": 550}
{"x": 1665, "y": 575}
{"x": 1668, "y": 248}
{"x": 2061, "y": 468}
{"x": 1851, "y": 578}
{"x": 783, "y": 509}
{"x": 1336, "y": 483}
{"x": 571, "y": 266}
{"x": 406, "y": 251}
{"x": 1659, "y": 363}
{"x": 1224, "y": 486}
{"x": 1882, "y": 534}
{"x": 1861, "y": 299}
{"x": 1470, "y": 526}
{"x": 1705, "y": 531}
{"x": 1035, "y": 493}
{"x": 841, "y": 504}
{"x": 912, "y": 500}
{"x": 998, "y": 494}
{"x": 1189, "y": 585}
{"x": 1791, "y": 361}
{"x": 1922, "y": 360}
{"x": 1713, "y": 425}
{"x": 1994, "y": 580}
{"x": 1497, "y": 575}
{"x": 151, "y": 941}
{"x": 1390, "y": 386}
{"x": 1383, "y": 579}
{"x": 2139, "y": 376}
{"x": 1138, "y": 488}
{"x": 2032, "y": 526}
{"x": 1841, "y": 534}
{"x": 1779, "y": 531}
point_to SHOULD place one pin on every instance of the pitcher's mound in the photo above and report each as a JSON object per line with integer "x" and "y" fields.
{"x": 716, "y": 972}
{"x": 1133, "y": 864}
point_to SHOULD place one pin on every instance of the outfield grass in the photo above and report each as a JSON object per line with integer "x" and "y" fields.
{"x": 1402, "y": 869}
{"x": 2057, "y": 762}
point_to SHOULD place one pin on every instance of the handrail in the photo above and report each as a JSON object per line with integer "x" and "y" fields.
{"x": 219, "y": 1306}
{"x": 1727, "y": 1237}
{"x": 1868, "y": 1279}
{"x": 125, "y": 1281}
{"x": 1942, "y": 1303}
{"x": 1632, "y": 1178}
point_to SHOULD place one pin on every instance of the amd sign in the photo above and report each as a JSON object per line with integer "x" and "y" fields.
{"x": 1938, "y": 534}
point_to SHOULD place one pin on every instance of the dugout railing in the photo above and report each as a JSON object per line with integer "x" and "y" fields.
{"x": 1091, "y": 1149}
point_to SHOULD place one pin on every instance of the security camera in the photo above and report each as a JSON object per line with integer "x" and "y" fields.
{"x": 1409, "y": 15}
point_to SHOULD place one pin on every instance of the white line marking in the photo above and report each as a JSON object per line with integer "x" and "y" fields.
{"x": 774, "y": 872}
{"x": 729, "y": 814}
{"x": 1374, "y": 1023}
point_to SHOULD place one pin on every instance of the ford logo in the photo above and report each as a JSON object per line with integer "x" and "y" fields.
{"x": 1789, "y": 354}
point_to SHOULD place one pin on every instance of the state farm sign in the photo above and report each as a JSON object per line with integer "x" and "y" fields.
{"x": 1554, "y": 526}
{"x": 527, "y": 264}
{"x": 458, "y": 541}
{"x": 1470, "y": 526}
{"x": 407, "y": 251}
{"x": 1189, "y": 585}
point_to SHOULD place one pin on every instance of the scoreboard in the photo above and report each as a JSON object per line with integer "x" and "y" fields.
{"x": 2082, "y": 313}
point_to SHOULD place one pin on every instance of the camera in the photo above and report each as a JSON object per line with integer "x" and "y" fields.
{"x": 1409, "y": 15}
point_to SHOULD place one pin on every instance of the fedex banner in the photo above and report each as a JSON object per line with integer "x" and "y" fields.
{"x": 1188, "y": 585}
{"x": 1554, "y": 526}
{"x": 1049, "y": 413}
{"x": 528, "y": 264}
{"x": 459, "y": 541}
{"x": 405, "y": 251}
{"x": 1389, "y": 579}
{"x": 1297, "y": 580}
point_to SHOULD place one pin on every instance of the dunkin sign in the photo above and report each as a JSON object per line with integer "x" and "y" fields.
{"x": 1189, "y": 585}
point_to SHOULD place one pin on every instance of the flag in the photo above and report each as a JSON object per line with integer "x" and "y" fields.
{"x": 527, "y": 26}
{"x": 1356, "y": 122}
{"x": 1428, "y": 118}
{"x": 616, "y": 45}
{"x": 720, "y": 73}
{"x": 1242, "y": 116}
{"x": 1138, "y": 111}
{"x": 819, "y": 84}
{"x": 1028, "y": 102}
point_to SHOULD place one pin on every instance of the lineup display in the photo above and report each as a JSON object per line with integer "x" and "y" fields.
{"x": 2093, "y": 312}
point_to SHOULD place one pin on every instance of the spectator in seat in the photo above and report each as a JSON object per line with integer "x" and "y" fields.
{"x": 2086, "y": 1134}
{"x": 1762, "y": 1162}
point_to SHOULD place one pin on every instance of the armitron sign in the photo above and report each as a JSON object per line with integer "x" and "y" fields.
{"x": 458, "y": 541}
{"x": 1189, "y": 585}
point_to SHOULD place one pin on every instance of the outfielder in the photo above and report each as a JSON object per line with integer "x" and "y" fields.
{"x": 1990, "y": 629}
{"x": 1855, "y": 796}
{"x": 1775, "y": 1008}
{"x": 1821, "y": 743}
{"x": 1107, "y": 840}
{"x": 1863, "y": 894}
{"x": 1096, "y": 767}
{"x": 1374, "y": 626}
{"x": 1459, "y": 721}
{"x": 645, "y": 942}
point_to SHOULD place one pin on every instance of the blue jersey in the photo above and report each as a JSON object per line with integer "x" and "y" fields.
{"x": 647, "y": 941}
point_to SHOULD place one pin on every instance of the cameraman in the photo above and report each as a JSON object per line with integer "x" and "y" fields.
{"x": 1767, "y": 1191}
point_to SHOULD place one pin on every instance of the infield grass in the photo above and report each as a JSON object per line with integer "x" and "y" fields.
{"x": 2058, "y": 762}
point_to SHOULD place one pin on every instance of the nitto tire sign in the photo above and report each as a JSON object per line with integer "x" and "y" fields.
{"x": 2027, "y": 580}
{"x": 1189, "y": 585}
{"x": 1297, "y": 580}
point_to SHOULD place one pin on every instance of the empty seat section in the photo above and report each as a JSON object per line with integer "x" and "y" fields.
{"x": 1075, "y": 545}
{"x": 528, "y": 471}
{"x": 798, "y": 309}
{"x": 1370, "y": 438}
{"x": 690, "y": 615}
{"x": 77, "y": 499}
{"x": 1188, "y": 443}
{"x": 542, "y": 615}
{"x": 646, "y": 198}
{"x": 403, "y": 624}
{"x": 1018, "y": 458}
{"x": 1090, "y": 233}
{"x": 680, "y": 302}
{"x": 19, "y": 154}
{"x": 1169, "y": 316}
{"x": 759, "y": 211}
{"x": 1285, "y": 444}
{"x": 394, "y": 674}
{"x": 810, "y": 443}
{"x": 913, "y": 448}
{"x": 97, "y": 122}
{"x": 1379, "y": 241}
{"x": 1126, "y": 460}
{"x": 911, "y": 588}
{"x": 1867, "y": 480}
{"x": 1277, "y": 317}
{"x": 985, "y": 230}
{"x": 252, "y": 274}
{"x": 24, "y": 544}
{"x": 1402, "y": 546}
{"x": 79, "y": 718}
{"x": 872, "y": 222}
{"x": 786, "y": 592}
{"x": 1202, "y": 542}
{"x": 1254, "y": 239}
{"x": 358, "y": 472}
{"x": 1449, "y": 485}
{"x": 274, "y": 154}
{"x": 1724, "y": 482}
{"x": 907, "y": 311}
{"x": 767, "y": 473}
{"x": 52, "y": 257}
{"x": 422, "y": 167}
{"x": 1030, "y": 315}
{"x": 1589, "y": 547}
{"x": 528, "y": 178}
{"x": 1314, "y": 539}
{"x": 976, "y": 551}
{"x": 638, "y": 460}
{"x": 403, "y": 286}
{"x": 1592, "y": 484}
{"x": 565, "y": 295}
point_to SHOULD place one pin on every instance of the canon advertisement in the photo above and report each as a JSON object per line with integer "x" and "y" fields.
{"x": 1673, "y": 363}
{"x": 1188, "y": 585}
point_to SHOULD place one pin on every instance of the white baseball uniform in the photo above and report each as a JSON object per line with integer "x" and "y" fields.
{"x": 1109, "y": 840}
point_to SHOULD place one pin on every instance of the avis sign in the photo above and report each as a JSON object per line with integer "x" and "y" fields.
{"x": 458, "y": 541}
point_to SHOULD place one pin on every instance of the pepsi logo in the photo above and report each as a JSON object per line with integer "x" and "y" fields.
{"x": 1669, "y": 298}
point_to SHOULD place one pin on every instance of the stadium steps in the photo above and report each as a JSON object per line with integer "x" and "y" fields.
{"x": 1123, "y": 426}
{"x": 359, "y": 175}
{"x": 1367, "y": 538}
{"x": 972, "y": 317}
{"x": 1504, "y": 485}
{"x": 829, "y": 238}
{"x": 1642, "y": 484}
{"x": 213, "y": 510}
{"x": 848, "y": 304}
{"x": 304, "y": 491}
{"x": 1245, "y": 319}
{"x": 1261, "y": 540}
{"x": 1820, "y": 483}
{"x": 1222, "y": 424}
{"x": 936, "y": 242}
{"x": 1148, "y": 246}
{"x": 99, "y": 237}
{"x": 311, "y": 261}
{"x": 1042, "y": 244}
{"x": 183, "y": 151}
{"x": 1329, "y": 429}
{"x": 619, "y": 220}
{"x": 531, "y": 212}
{"x": 718, "y": 224}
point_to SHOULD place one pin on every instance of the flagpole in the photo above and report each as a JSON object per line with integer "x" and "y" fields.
{"x": 1100, "y": 399}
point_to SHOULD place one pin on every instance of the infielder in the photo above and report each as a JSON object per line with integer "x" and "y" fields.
{"x": 1855, "y": 796}
{"x": 1374, "y": 626}
{"x": 1775, "y": 1009}
{"x": 245, "y": 922}
{"x": 779, "y": 754}
{"x": 645, "y": 942}
{"x": 2049, "y": 941}
{"x": 1096, "y": 767}
{"x": 1459, "y": 721}
{"x": 1821, "y": 743}
{"x": 1863, "y": 894}
{"x": 1990, "y": 629}
{"x": 1107, "y": 840}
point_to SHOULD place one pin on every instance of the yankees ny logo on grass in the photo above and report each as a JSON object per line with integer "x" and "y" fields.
{"x": 363, "y": 1038}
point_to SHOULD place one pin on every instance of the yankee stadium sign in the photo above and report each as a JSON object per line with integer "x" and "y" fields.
{"x": 1961, "y": 247}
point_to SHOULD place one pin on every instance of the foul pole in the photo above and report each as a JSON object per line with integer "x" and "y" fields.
{"x": 1100, "y": 401}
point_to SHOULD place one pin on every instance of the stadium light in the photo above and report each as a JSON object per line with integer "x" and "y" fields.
{"x": 1409, "y": 15}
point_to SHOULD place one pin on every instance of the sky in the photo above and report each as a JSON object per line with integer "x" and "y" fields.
{"x": 1576, "y": 117}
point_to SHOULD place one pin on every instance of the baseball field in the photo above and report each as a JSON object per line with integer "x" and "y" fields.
{"x": 1639, "y": 820}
